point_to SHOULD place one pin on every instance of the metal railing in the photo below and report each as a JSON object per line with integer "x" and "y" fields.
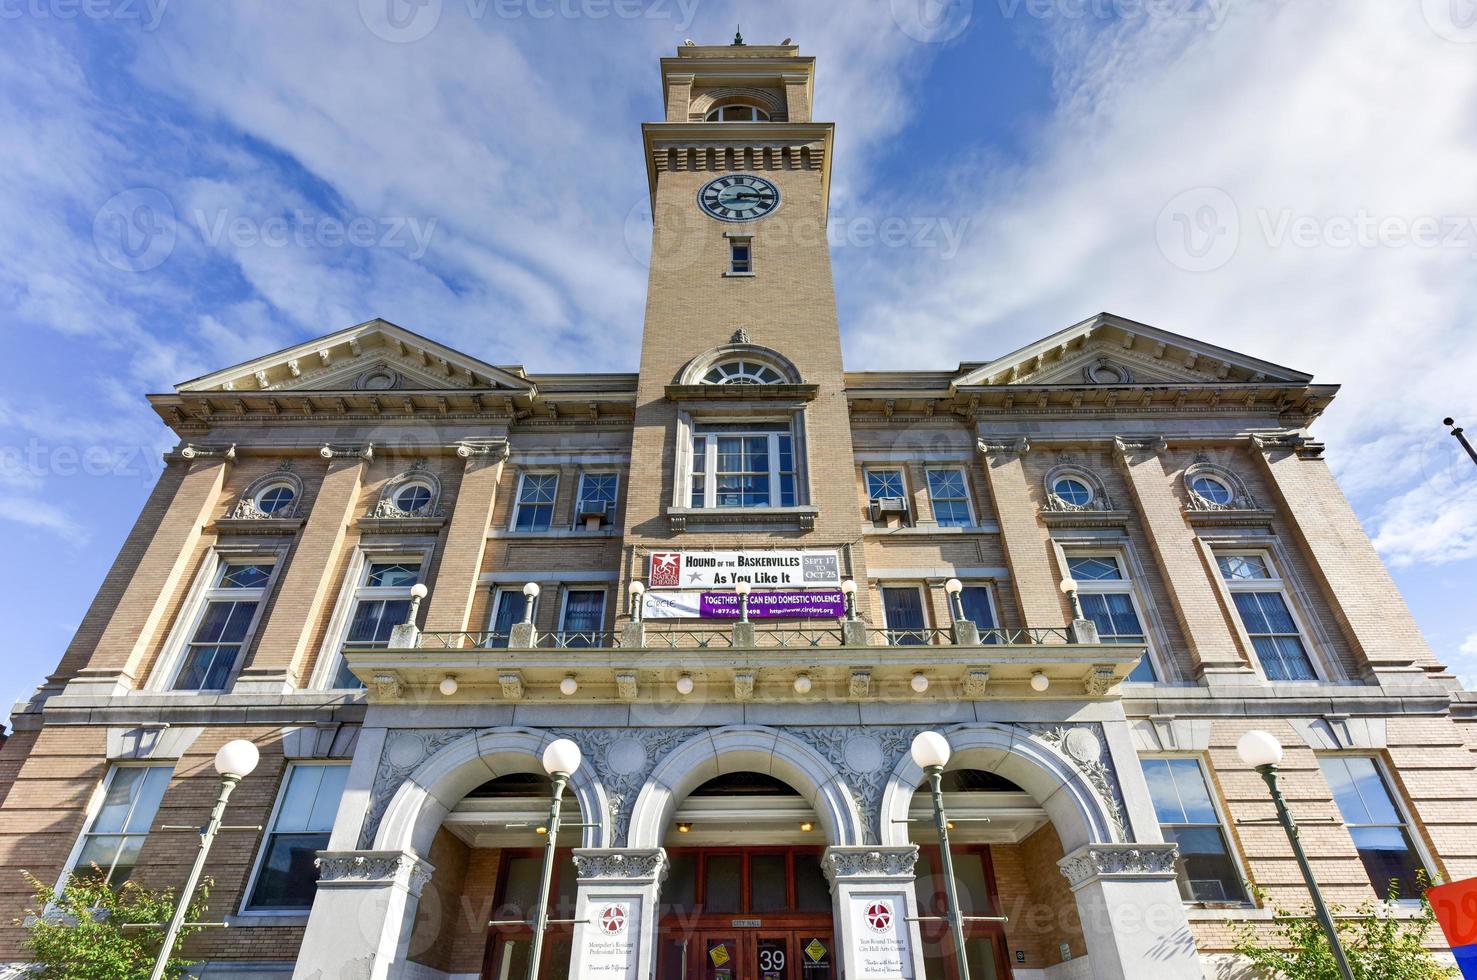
{"x": 673, "y": 637}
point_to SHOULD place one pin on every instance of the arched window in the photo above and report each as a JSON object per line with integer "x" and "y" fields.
{"x": 414, "y": 493}
{"x": 1070, "y": 487}
{"x": 736, "y": 112}
{"x": 1210, "y": 486}
{"x": 276, "y": 496}
{"x": 742, "y": 371}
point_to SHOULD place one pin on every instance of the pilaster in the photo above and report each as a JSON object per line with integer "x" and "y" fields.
{"x": 876, "y": 909}
{"x": 616, "y": 912}
{"x": 1026, "y": 550}
{"x": 278, "y": 662}
{"x": 134, "y": 624}
{"x": 466, "y": 538}
{"x": 1204, "y": 620}
{"x": 362, "y": 914}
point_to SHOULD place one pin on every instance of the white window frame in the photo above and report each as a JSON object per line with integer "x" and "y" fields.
{"x": 927, "y": 607}
{"x": 579, "y": 496}
{"x": 1407, "y": 818}
{"x": 756, "y": 113}
{"x": 1276, "y": 583}
{"x": 564, "y": 592}
{"x": 1222, "y": 818}
{"x": 963, "y": 472}
{"x": 95, "y": 805}
{"x": 734, "y": 243}
{"x": 202, "y": 591}
{"x": 244, "y": 907}
{"x": 899, "y": 469}
{"x": 497, "y": 598}
{"x": 990, "y": 587}
{"x": 352, "y": 591}
{"x": 709, "y": 467}
{"x": 523, "y": 475}
{"x": 1128, "y": 585}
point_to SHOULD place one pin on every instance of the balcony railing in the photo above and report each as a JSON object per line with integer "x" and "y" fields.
{"x": 674, "y": 637}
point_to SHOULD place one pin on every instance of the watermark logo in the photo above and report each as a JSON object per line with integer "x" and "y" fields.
{"x": 147, "y": 12}
{"x": 932, "y": 21}
{"x": 400, "y": 21}
{"x": 302, "y": 230}
{"x": 135, "y": 229}
{"x": 1212, "y": 13}
{"x": 407, "y": 21}
{"x": 1453, "y": 20}
{"x": 1199, "y": 230}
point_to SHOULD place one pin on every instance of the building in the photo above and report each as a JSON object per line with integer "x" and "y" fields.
{"x": 1152, "y": 558}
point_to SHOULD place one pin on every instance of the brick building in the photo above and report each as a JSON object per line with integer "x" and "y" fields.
{"x": 1091, "y": 563}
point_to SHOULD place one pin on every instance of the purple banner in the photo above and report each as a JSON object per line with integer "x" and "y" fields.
{"x": 807, "y": 604}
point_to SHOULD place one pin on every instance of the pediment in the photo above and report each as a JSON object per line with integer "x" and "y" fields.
{"x": 372, "y": 356}
{"x": 1111, "y": 350}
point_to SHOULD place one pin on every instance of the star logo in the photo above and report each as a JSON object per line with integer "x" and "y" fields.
{"x": 666, "y": 569}
{"x": 879, "y": 916}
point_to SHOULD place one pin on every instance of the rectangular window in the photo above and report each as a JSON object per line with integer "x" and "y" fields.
{"x": 227, "y": 616}
{"x": 979, "y": 610}
{"x": 596, "y": 498}
{"x": 949, "y": 492}
{"x": 1108, "y": 599}
{"x": 1188, "y": 817}
{"x": 1375, "y": 822}
{"x": 1262, "y": 604}
{"x": 743, "y": 466}
{"x": 583, "y": 617}
{"x": 740, "y": 256}
{"x": 286, "y": 877}
{"x": 380, "y": 603}
{"x": 116, "y": 833}
{"x": 902, "y": 609}
{"x": 886, "y": 485}
{"x": 534, "y": 510}
{"x": 507, "y": 610}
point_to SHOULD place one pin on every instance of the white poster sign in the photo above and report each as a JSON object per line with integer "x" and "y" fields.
{"x": 881, "y": 936}
{"x": 725, "y": 569}
{"x": 610, "y": 949}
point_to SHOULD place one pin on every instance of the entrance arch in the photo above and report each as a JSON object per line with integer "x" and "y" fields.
{"x": 745, "y": 748}
{"x": 419, "y": 806}
{"x": 1078, "y": 813}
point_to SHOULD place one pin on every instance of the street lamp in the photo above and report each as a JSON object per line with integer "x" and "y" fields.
{"x": 1263, "y": 752}
{"x": 637, "y": 589}
{"x": 1069, "y": 587}
{"x": 234, "y": 761}
{"x": 931, "y": 753}
{"x": 1459, "y": 434}
{"x": 561, "y": 759}
{"x": 743, "y": 589}
{"x": 848, "y": 589}
{"x": 956, "y": 604}
{"x": 530, "y": 593}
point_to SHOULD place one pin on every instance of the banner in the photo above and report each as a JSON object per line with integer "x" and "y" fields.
{"x": 1455, "y": 906}
{"x": 805, "y": 604}
{"x": 725, "y": 569}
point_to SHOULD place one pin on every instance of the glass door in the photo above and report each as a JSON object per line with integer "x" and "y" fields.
{"x": 720, "y": 958}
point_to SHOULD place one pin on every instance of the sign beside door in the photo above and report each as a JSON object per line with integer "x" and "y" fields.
{"x": 610, "y": 949}
{"x": 881, "y": 938}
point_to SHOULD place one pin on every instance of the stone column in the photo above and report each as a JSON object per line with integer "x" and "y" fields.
{"x": 1031, "y": 566}
{"x": 616, "y": 914}
{"x": 362, "y": 915}
{"x": 276, "y": 665}
{"x": 1203, "y": 618}
{"x": 1354, "y": 581}
{"x": 875, "y": 907}
{"x": 134, "y": 625}
{"x": 1132, "y": 916}
{"x": 466, "y": 538}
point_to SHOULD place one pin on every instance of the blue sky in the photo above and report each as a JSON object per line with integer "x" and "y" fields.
{"x": 189, "y": 183}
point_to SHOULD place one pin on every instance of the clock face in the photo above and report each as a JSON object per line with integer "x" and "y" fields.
{"x": 739, "y": 197}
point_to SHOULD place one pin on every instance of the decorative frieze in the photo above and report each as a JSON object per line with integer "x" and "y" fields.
{"x": 976, "y": 679}
{"x": 1083, "y": 744}
{"x": 618, "y": 864}
{"x": 869, "y": 862}
{"x": 348, "y": 868}
{"x": 1118, "y": 861}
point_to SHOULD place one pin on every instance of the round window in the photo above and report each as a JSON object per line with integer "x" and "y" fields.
{"x": 742, "y": 373}
{"x": 1212, "y": 490}
{"x": 1073, "y": 491}
{"x": 413, "y": 497}
{"x": 276, "y": 497}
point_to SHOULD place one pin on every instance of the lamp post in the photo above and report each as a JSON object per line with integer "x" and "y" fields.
{"x": 1069, "y": 588}
{"x": 1263, "y": 752}
{"x": 1459, "y": 434}
{"x": 954, "y": 588}
{"x": 931, "y": 752}
{"x": 637, "y": 589}
{"x": 235, "y": 761}
{"x": 743, "y": 589}
{"x": 530, "y": 593}
{"x": 561, "y": 759}
{"x": 848, "y": 589}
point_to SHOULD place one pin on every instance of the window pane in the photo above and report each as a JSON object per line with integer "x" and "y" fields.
{"x": 903, "y": 609}
{"x": 767, "y": 885}
{"x": 884, "y": 483}
{"x": 245, "y": 576}
{"x": 1143, "y": 672}
{"x": 721, "y": 883}
{"x": 1126, "y": 626}
{"x": 148, "y": 791}
{"x": 392, "y": 575}
{"x": 1162, "y": 791}
{"x": 509, "y": 611}
{"x": 584, "y": 612}
{"x": 1206, "y": 871}
{"x": 520, "y": 888}
{"x": 374, "y": 619}
{"x": 1093, "y": 569}
{"x": 976, "y": 601}
{"x": 812, "y": 891}
{"x": 206, "y": 668}
{"x": 102, "y": 852}
{"x": 969, "y": 877}
{"x": 1243, "y": 567}
{"x": 1388, "y": 857}
{"x": 1074, "y": 492}
{"x": 288, "y": 877}
{"x": 679, "y": 891}
{"x": 1190, "y": 781}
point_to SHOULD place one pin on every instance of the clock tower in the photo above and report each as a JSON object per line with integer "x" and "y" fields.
{"x": 740, "y": 404}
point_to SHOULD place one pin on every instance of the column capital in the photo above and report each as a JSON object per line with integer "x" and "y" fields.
{"x": 847, "y": 862}
{"x": 1119, "y": 862}
{"x": 621, "y": 864}
{"x": 347, "y": 869}
{"x": 1140, "y": 444}
{"x": 1002, "y": 447}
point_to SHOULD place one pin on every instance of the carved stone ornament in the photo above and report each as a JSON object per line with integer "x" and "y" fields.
{"x": 1098, "y": 680}
{"x": 386, "y": 687}
{"x": 620, "y": 864}
{"x": 976, "y": 679}
{"x": 740, "y": 336}
{"x": 1140, "y": 444}
{"x": 1003, "y": 447}
{"x": 1094, "y": 861}
{"x": 372, "y": 868}
{"x": 497, "y": 450}
{"x": 869, "y": 862}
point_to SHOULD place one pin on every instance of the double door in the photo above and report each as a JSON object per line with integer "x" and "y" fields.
{"x": 759, "y": 954}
